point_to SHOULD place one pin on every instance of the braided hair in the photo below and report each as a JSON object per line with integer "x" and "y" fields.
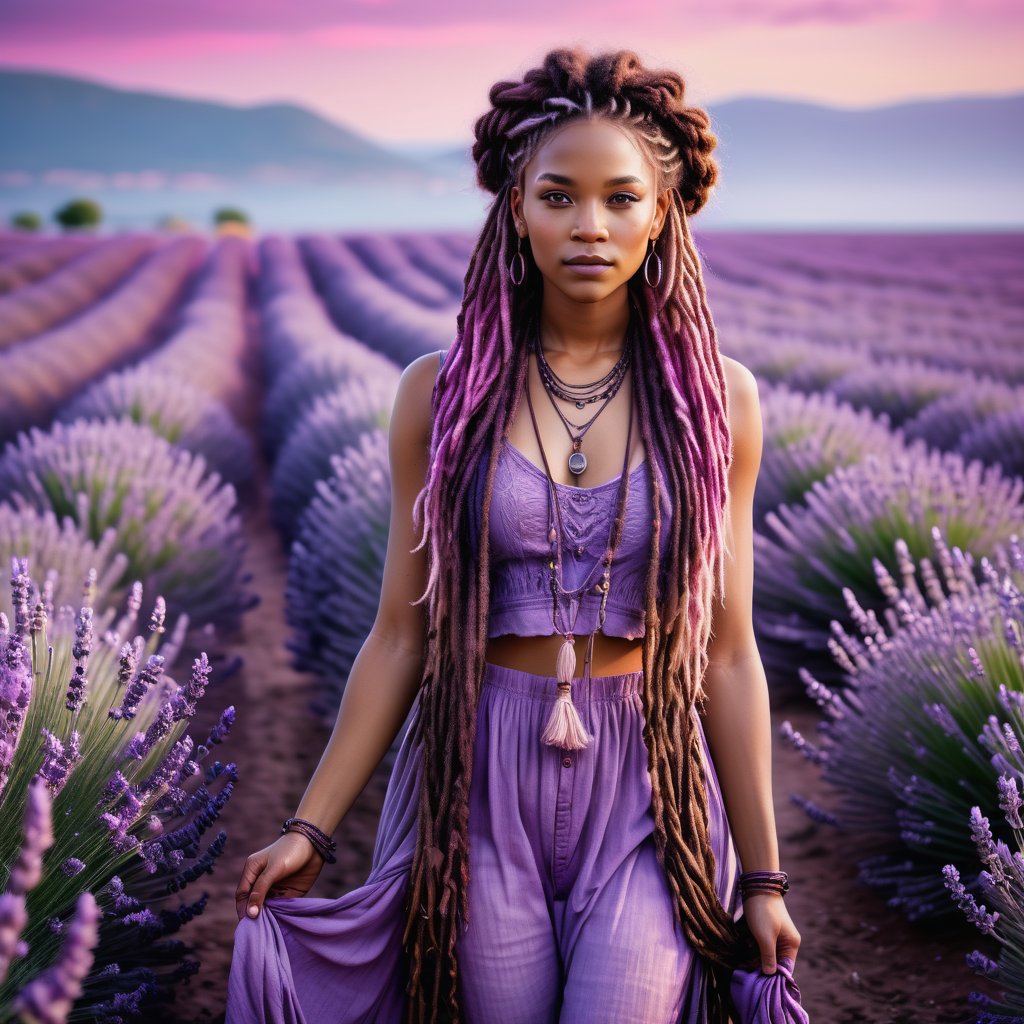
{"x": 681, "y": 397}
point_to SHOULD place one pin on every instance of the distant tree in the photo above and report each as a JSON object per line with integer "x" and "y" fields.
{"x": 79, "y": 213}
{"x": 26, "y": 220}
{"x": 172, "y": 222}
{"x": 232, "y": 214}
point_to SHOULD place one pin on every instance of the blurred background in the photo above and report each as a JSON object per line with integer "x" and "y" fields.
{"x": 227, "y": 229}
{"x": 360, "y": 115}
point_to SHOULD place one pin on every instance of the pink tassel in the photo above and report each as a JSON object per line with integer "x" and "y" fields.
{"x": 565, "y": 728}
{"x": 565, "y": 664}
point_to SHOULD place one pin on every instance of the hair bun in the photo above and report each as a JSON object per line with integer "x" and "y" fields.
{"x": 619, "y": 79}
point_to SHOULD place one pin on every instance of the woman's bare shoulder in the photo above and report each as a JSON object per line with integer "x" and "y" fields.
{"x": 412, "y": 416}
{"x": 745, "y": 421}
{"x": 409, "y": 454}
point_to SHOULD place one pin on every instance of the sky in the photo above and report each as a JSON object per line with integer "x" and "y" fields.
{"x": 404, "y": 71}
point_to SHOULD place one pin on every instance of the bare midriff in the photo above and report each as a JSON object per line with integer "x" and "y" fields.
{"x": 613, "y": 655}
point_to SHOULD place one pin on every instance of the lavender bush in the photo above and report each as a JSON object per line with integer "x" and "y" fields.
{"x": 899, "y": 387}
{"x": 945, "y": 421}
{"x": 806, "y": 437}
{"x": 998, "y": 439}
{"x": 336, "y": 566}
{"x": 899, "y": 743}
{"x": 855, "y": 516}
{"x": 51, "y": 994}
{"x": 93, "y": 711}
{"x": 314, "y": 375}
{"x": 64, "y": 555}
{"x": 800, "y": 364}
{"x": 34, "y": 261}
{"x": 335, "y": 421}
{"x": 1001, "y": 881}
{"x": 425, "y": 250}
{"x": 175, "y": 521}
{"x": 179, "y": 411}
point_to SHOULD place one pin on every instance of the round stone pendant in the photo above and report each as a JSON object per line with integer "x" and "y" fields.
{"x": 577, "y": 463}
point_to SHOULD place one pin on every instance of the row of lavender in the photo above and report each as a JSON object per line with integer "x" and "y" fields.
{"x": 122, "y": 493}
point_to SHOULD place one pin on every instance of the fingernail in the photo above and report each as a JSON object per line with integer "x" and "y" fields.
{"x": 253, "y": 909}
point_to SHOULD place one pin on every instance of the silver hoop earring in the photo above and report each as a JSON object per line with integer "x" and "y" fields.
{"x": 522, "y": 265}
{"x": 650, "y": 283}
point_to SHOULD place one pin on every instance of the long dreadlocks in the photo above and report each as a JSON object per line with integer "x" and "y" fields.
{"x": 681, "y": 396}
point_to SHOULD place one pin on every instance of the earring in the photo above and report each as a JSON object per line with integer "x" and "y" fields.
{"x": 522, "y": 264}
{"x": 650, "y": 283}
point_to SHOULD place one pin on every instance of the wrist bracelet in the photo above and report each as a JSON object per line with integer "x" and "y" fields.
{"x": 322, "y": 842}
{"x": 764, "y": 881}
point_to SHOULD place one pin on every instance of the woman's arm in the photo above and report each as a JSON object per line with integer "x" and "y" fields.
{"x": 736, "y": 720}
{"x": 387, "y": 672}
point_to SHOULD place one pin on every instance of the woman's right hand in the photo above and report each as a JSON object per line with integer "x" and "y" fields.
{"x": 288, "y": 867}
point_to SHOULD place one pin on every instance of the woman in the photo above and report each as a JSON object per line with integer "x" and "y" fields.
{"x": 554, "y": 843}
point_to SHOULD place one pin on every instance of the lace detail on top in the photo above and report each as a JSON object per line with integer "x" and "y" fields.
{"x": 520, "y": 588}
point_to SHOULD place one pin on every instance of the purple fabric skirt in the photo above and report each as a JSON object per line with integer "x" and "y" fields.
{"x": 570, "y": 914}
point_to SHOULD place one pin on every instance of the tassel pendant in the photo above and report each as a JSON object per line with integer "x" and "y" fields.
{"x": 565, "y": 728}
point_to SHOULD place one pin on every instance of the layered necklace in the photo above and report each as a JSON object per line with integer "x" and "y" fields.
{"x": 565, "y": 728}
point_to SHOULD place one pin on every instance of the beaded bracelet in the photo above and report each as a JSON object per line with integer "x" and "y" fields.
{"x": 764, "y": 881}
{"x": 321, "y": 841}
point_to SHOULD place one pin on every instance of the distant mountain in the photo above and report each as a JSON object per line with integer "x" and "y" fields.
{"x": 56, "y": 121}
{"x": 955, "y": 161}
{"x": 928, "y": 159}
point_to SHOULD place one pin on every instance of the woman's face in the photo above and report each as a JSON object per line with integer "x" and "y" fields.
{"x": 588, "y": 190}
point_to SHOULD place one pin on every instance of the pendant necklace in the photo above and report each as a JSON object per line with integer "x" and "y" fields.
{"x": 565, "y": 728}
{"x": 556, "y": 387}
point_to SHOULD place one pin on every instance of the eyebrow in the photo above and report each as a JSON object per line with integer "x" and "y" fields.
{"x": 561, "y": 179}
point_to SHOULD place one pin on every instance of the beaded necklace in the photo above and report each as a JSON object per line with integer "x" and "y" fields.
{"x": 565, "y": 728}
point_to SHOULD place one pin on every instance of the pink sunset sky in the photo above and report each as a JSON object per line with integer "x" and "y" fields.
{"x": 403, "y": 71}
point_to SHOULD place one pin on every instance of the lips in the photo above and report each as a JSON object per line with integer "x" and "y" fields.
{"x": 589, "y": 261}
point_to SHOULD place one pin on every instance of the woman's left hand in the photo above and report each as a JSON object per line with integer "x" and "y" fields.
{"x": 772, "y": 927}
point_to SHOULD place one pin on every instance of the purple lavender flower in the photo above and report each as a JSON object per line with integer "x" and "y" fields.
{"x": 176, "y": 522}
{"x": 72, "y": 866}
{"x": 15, "y": 695}
{"x": 25, "y": 873}
{"x": 903, "y": 741}
{"x": 50, "y": 996}
{"x": 147, "y": 678}
{"x": 1009, "y": 800}
{"x": 806, "y": 436}
{"x": 976, "y": 915}
{"x": 110, "y": 795}
{"x": 59, "y": 759}
{"x": 851, "y": 521}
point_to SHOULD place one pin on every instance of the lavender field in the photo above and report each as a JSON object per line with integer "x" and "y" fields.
{"x": 194, "y": 506}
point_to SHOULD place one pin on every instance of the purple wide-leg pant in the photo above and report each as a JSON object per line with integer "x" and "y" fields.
{"x": 570, "y": 914}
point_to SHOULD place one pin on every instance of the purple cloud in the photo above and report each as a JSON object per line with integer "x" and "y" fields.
{"x": 41, "y": 20}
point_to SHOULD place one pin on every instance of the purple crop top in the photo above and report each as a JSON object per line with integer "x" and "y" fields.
{"x": 520, "y": 589}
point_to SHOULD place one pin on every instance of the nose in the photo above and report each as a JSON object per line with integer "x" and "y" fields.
{"x": 590, "y": 224}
